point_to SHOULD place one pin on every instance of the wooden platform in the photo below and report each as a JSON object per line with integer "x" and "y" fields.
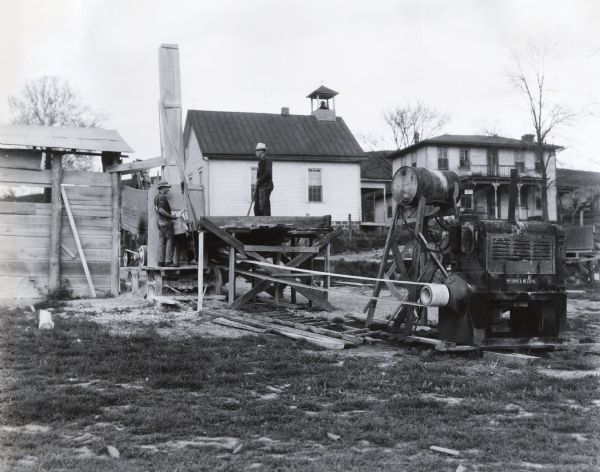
{"x": 226, "y": 242}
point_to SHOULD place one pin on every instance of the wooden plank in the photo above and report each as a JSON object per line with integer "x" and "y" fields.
{"x": 313, "y": 338}
{"x": 20, "y": 159}
{"x": 235, "y": 324}
{"x": 136, "y": 166}
{"x": 43, "y": 178}
{"x": 46, "y": 220}
{"x": 23, "y": 208}
{"x": 304, "y": 327}
{"x": 510, "y": 359}
{"x": 282, "y": 249}
{"x": 55, "y": 223}
{"x": 294, "y": 222}
{"x": 91, "y": 179}
{"x": 35, "y": 253}
{"x": 78, "y": 242}
{"x": 36, "y": 268}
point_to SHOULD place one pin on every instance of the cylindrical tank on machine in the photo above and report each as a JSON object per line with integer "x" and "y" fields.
{"x": 412, "y": 183}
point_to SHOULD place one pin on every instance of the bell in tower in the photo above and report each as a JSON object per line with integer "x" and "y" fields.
{"x": 322, "y": 103}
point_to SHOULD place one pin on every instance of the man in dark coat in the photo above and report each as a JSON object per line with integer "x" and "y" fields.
{"x": 264, "y": 182}
{"x": 164, "y": 220}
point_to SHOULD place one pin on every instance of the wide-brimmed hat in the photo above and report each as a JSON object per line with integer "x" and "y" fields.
{"x": 163, "y": 184}
{"x": 261, "y": 147}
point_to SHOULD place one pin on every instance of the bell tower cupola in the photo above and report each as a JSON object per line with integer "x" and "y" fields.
{"x": 322, "y": 103}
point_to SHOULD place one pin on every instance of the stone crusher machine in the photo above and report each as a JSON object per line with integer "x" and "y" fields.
{"x": 488, "y": 278}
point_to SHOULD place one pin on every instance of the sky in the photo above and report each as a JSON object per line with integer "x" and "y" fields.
{"x": 261, "y": 55}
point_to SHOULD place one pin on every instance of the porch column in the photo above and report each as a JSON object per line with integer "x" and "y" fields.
{"x": 496, "y": 209}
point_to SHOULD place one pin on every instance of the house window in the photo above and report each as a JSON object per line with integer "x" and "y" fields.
{"x": 442, "y": 159}
{"x": 465, "y": 160}
{"x": 253, "y": 175}
{"x": 389, "y": 210}
{"x": 466, "y": 201}
{"x": 315, "y": 189}
{"x": 413, "y": 160}
{"x": 520, "y": 161}
{"x": 524, "y": 199}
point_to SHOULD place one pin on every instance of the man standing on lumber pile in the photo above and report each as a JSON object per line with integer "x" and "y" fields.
{"x": 164, "y": 220}
{"x": 264, "y": 182}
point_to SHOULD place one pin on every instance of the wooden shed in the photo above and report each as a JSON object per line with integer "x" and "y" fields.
{"x": 58, "y": 226}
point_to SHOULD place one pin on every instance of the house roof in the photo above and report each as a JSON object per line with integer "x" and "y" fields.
{"x": 569, "y": 178}
{"x": 471, "y": 140}
{"x": 62, "y": 137}
{"x": 231, "y": 135}
{"x": 377, "y": 167}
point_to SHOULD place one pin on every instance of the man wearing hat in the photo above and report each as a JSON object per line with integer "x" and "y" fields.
{"x": 164, "y": 219}
{"x": 264, "y": 182}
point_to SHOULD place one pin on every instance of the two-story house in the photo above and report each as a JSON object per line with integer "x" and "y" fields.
{"x": 483, "y": 164}
{"x": 316, "y": 160}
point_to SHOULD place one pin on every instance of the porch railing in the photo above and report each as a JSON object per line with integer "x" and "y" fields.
{"x": 497, "y": 171}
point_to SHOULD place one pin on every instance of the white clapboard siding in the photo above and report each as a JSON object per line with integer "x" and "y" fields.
{"x": 230, "y": 189}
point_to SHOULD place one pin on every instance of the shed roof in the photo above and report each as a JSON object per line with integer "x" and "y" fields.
{"x": 571, "y": 178}
{"x": 472, "y": 140}
{"x": 377, "y": 167}
{"x": 62, "y": 137}
{"x": 226, "y": 134}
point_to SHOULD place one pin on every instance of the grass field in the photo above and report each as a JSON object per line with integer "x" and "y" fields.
{"x": 197, "y": 402}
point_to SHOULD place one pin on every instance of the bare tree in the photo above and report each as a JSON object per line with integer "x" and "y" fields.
{"x": 412, "y": 121}
{"x": 529, "y": 76}
{"x": 52, "y": 101}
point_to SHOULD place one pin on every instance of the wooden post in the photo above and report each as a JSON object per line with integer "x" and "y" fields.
{"x": 116, "y": 234}
{"x": 350, "y": 227}
{"x": 327, "y": 268}
{"x": 171, "y": 136}
{"x": 292, "y": 289}
{"x": 276, "y": 287}
{"x": 200, "y": 256}
{"x": 231, "y": 292}
{"x": 55, "y": 222}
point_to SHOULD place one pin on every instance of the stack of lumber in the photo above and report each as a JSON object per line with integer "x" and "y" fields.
{"x": 325, "y": 338}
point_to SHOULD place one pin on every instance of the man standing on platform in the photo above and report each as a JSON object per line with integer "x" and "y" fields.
{"x": 164, "y": 220}
{"x": 264, "y": 182}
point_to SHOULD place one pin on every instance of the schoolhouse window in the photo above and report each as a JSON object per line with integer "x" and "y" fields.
{"x": 315, "y": 189}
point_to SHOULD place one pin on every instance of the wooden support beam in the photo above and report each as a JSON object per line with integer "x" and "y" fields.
{"x": 136, "y": 166}
{"x": 86, "y": 269}
{"x": 280, "y": 249}
{"x": 116, "y": 235}
{"x": 56, "y": 222}
{"x": 386, "y": 250}
{"x": 231, "y": 291}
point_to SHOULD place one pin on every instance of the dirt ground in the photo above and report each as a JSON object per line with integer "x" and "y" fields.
{"x": 124, "y": 384}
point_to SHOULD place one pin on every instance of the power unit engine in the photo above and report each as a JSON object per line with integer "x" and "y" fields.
{"x": 499, "y": 278}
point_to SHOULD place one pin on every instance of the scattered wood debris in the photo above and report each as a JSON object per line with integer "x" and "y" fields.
{"x": 451, "y": 452}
